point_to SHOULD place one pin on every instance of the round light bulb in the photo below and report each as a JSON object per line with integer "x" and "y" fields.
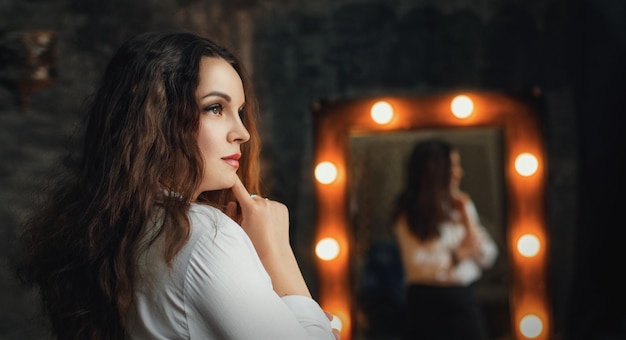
{"x": 528, "y": 245}
{"x": 327, "y": 249}
{"x": 526, "y": 164}
{"x": 326, "y": 172}
{"x": 531, "y": 326}
{"x": 462, "y": 106}
{"x": 382, "y": 112}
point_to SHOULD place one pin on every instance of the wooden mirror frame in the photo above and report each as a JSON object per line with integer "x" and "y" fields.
{"x": 335, "y": 121}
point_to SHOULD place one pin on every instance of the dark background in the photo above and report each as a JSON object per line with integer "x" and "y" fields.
{"x": 566, "y": 57}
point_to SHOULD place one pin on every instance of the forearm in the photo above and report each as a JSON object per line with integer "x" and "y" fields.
{"x": 483, "y": 251}
{"x": 463, "y": 253}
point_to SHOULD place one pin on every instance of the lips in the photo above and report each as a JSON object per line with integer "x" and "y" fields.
{"x": 232, "y": 160}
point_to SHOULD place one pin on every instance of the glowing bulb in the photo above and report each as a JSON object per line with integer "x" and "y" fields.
{"x": 327, "y": 249}
{"x": 462, "y": 106}
{"x": 531, "y": 326}
{"x": 528, "y": 245}
{"x": 526, "y": 164}
{"x": 382, "y": 112}
{"x": 326, "y": 172}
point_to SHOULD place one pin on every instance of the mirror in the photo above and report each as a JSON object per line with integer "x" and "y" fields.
{"x": 368, "y": 156}
{"x": 376, "y": 173}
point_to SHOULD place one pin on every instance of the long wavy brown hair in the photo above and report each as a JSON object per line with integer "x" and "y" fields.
{"x": 81, "y": 244}
{"x": 426, "y": 200}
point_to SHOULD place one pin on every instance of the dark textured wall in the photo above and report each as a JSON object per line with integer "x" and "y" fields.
{"x": 299, "y": 52}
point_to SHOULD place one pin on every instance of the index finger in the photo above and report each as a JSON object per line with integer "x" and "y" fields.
{"x": 240, "y": 192}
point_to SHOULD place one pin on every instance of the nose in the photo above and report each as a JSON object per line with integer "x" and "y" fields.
{"x": 238, "y": 133}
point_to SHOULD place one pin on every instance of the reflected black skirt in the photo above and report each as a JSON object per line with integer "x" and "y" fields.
{"x": 442, "y": 313}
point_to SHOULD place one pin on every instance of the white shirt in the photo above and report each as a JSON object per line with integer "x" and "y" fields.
{"x": 430, "y": 262}
{"x": 217, "y": 288}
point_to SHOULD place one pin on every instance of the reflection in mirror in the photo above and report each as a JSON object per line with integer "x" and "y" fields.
{"x": 376, "y": 171}
{"x": 498, "y": 130}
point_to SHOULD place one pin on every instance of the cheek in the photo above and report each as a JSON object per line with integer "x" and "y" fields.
{"x": 455, "y": 177}
{"x": 457, "y": 172}
{"x": 204, "y": 140}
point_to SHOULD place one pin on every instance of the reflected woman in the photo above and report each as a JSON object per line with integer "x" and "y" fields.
{"x": 444, "y": 248}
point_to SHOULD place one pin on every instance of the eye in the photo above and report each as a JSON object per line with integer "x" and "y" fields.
{"x": 242, "y": 113}
{"x": 214, "y": 109}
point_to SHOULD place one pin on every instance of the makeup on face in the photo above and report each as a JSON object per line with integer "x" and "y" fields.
{"x": 221, "y": 131}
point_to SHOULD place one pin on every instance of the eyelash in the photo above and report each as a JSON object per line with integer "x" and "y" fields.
{"x": 213, "y": 108}
{"x": 218, "y": 107}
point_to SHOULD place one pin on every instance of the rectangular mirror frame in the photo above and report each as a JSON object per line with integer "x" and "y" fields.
{"x": 335, "y": 121}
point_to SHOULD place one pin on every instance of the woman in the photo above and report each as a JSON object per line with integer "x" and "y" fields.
{"x": 155, "y": 235}
{"x": 443, "y": 247}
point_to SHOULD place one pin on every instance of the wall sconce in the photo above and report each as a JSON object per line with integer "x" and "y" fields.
{"x": 29, "y": 63}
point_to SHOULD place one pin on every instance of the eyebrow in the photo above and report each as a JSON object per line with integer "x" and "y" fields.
{"x": 218, "y": 94}
{"x": 223, "y": 95}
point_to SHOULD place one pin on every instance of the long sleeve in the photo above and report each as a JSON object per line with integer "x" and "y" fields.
{"x": 423, "y": 261}
{"x": 429, "y": 262}
{"x": 489, "y": 249}
{"x": 218, "y": 289}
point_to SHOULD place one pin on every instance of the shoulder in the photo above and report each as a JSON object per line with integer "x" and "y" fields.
{"x": 403, "y": 232}
{"x": 204, "y": 211}
{"x": 400, "y": 224}
{"x": 217, "y": 249}
{"x": 208, "y": 220}
{"x": 203, "y": 217}
{"x": 464, "y": 200}
{"x": 215, "y": 241}
{"x": 468, "y": 203}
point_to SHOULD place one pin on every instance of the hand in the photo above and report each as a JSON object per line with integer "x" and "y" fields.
{"x": 459, "y": 199}
{"x": 267, "y": 224}
{"x": 336, "y": 331}
{"x": 470, "y": 246}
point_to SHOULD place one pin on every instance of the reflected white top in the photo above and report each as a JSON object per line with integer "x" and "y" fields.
{"x": 217, "y": 288}
{"x": 431, "y": 262}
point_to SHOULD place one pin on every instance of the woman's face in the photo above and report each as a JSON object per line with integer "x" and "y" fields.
{"x": 221, "y": 100}
{"x": 456, "y": 171}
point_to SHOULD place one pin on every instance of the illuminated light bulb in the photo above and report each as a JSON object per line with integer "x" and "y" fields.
{"x": 528, "y": 245}
{"x": 531, "y": 326}
{"x": 382, "y": 113}
{"x": 327, "y": 249}
{"x": 526, "y": 164}
{"x": 326, "y": 172}
{"x": 462, "y": 106}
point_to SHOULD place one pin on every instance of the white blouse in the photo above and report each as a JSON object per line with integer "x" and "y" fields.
{"x": 217, "y": 288}
{"x": 430, "y": 262}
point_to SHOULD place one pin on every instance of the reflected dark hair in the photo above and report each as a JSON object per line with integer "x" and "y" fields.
{"x": 139, "y": 152}
{"x": 425, "y": 201}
